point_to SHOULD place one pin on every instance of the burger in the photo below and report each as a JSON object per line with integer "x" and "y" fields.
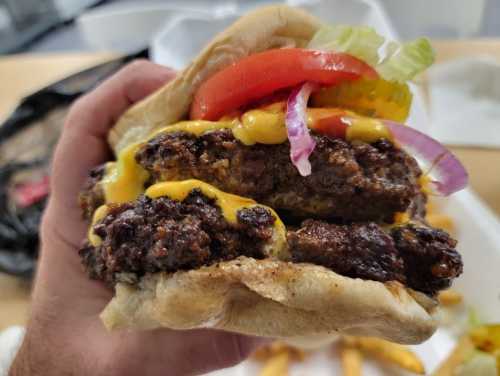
{"x": 271, "y": 189}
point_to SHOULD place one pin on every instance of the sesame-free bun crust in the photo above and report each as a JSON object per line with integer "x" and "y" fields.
{"x": 265, "y": 28}
{"x": 258, "y": 297}
{"x": 272, "y": 298}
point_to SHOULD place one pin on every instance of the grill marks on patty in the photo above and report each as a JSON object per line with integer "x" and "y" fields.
{"x": 149, "y": 236}
{"x": 350, "y": 181}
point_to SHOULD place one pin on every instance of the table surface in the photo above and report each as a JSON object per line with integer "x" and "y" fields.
{"x": 30, "y": 72}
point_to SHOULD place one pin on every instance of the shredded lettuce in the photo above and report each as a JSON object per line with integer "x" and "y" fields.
{"x": 405, "y": 62}
{"x": 360, "y": 41}
{"x": 402, "y": 62}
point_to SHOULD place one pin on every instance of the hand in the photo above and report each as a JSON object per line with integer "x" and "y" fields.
{"x": 64, "y": 334}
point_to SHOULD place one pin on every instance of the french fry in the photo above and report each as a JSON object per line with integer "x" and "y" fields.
{"x": 486, "y": 337}
{"x": 351, "y": 360}
{"x": 450, "y": 298}
{"x": 390, "y": 352}
{"x": 441, "y": 221}
{"x": 276, "y": 365}
{"x": 463, "y": 348}
{"x": 266, "y": 352}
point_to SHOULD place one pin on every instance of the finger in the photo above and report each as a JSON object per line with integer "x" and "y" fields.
{"x": 104, "y": 105}
{"x": 194, "y": 352}
{"x": 83, "y": 144}
{"x": 83, "y": 141}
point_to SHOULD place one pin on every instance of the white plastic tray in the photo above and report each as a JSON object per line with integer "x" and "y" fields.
{"x": 478, "y": 229}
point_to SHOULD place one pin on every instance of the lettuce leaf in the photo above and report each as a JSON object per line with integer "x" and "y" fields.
{"x": 401, "y": 63}
{"x": 407, "y": 60}
{"x": 360, "y": 41}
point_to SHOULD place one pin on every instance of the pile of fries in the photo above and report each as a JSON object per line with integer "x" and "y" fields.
{"x": 278, "y": 356}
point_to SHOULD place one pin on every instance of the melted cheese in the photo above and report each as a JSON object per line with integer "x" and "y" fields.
{"x": 124, "y": 180}
{"x": 179, "y": 190}
{"x": 367, "y": 130}
{"x": 228, "y": 203}
{"x": 401, "y": 218}
{"x": 196, "y": 127}
{"x": 99, "y": 214}
{"x": 267, "y": 125}
{"x": 261, "y": 126}
{"x": 425, "y": 182}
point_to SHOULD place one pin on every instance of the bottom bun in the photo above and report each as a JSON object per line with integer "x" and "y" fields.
{"x": 312, "y": 342}
{"x": 273, "y": 298}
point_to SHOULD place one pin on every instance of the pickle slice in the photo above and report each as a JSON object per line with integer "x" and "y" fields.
{"x": 376, "y": 98}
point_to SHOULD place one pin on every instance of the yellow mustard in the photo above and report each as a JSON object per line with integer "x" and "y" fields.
{"x": 124, "y": 180}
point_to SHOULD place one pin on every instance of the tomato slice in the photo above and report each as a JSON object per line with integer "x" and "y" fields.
{"x": 261, "y": 74}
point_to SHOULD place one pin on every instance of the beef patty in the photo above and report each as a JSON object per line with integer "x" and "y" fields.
{"x": 350, "y": 181}
{"x": 152, "y": 235}
{"x": 418, "y": 256}
{"x": 92, "y": 195}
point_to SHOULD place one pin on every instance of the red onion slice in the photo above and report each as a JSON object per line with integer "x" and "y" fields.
{"x": 301, "y": 142}
{"x": 448, "y": 174}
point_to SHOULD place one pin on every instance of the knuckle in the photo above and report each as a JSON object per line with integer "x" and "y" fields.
{"x": 77, "y": 108}
{"x": 137, "y": 65}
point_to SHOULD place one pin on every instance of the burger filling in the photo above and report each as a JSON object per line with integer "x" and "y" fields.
{"x": 350, "y": 180}
{"x": 161, "y": 234}
{"x": 152, "y": 235}
{"x": 352, "y": 199}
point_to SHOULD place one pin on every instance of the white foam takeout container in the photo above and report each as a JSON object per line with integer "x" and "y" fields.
{"x": 477, "y": 228}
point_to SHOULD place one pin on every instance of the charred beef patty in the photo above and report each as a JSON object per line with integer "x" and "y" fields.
{"x": 418, "y": 256}
{"x": 350, "y": 181}
{"x": 92, "y": 194}
{"x": 165, "y": 235}
{"x": 431, "y": 261}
